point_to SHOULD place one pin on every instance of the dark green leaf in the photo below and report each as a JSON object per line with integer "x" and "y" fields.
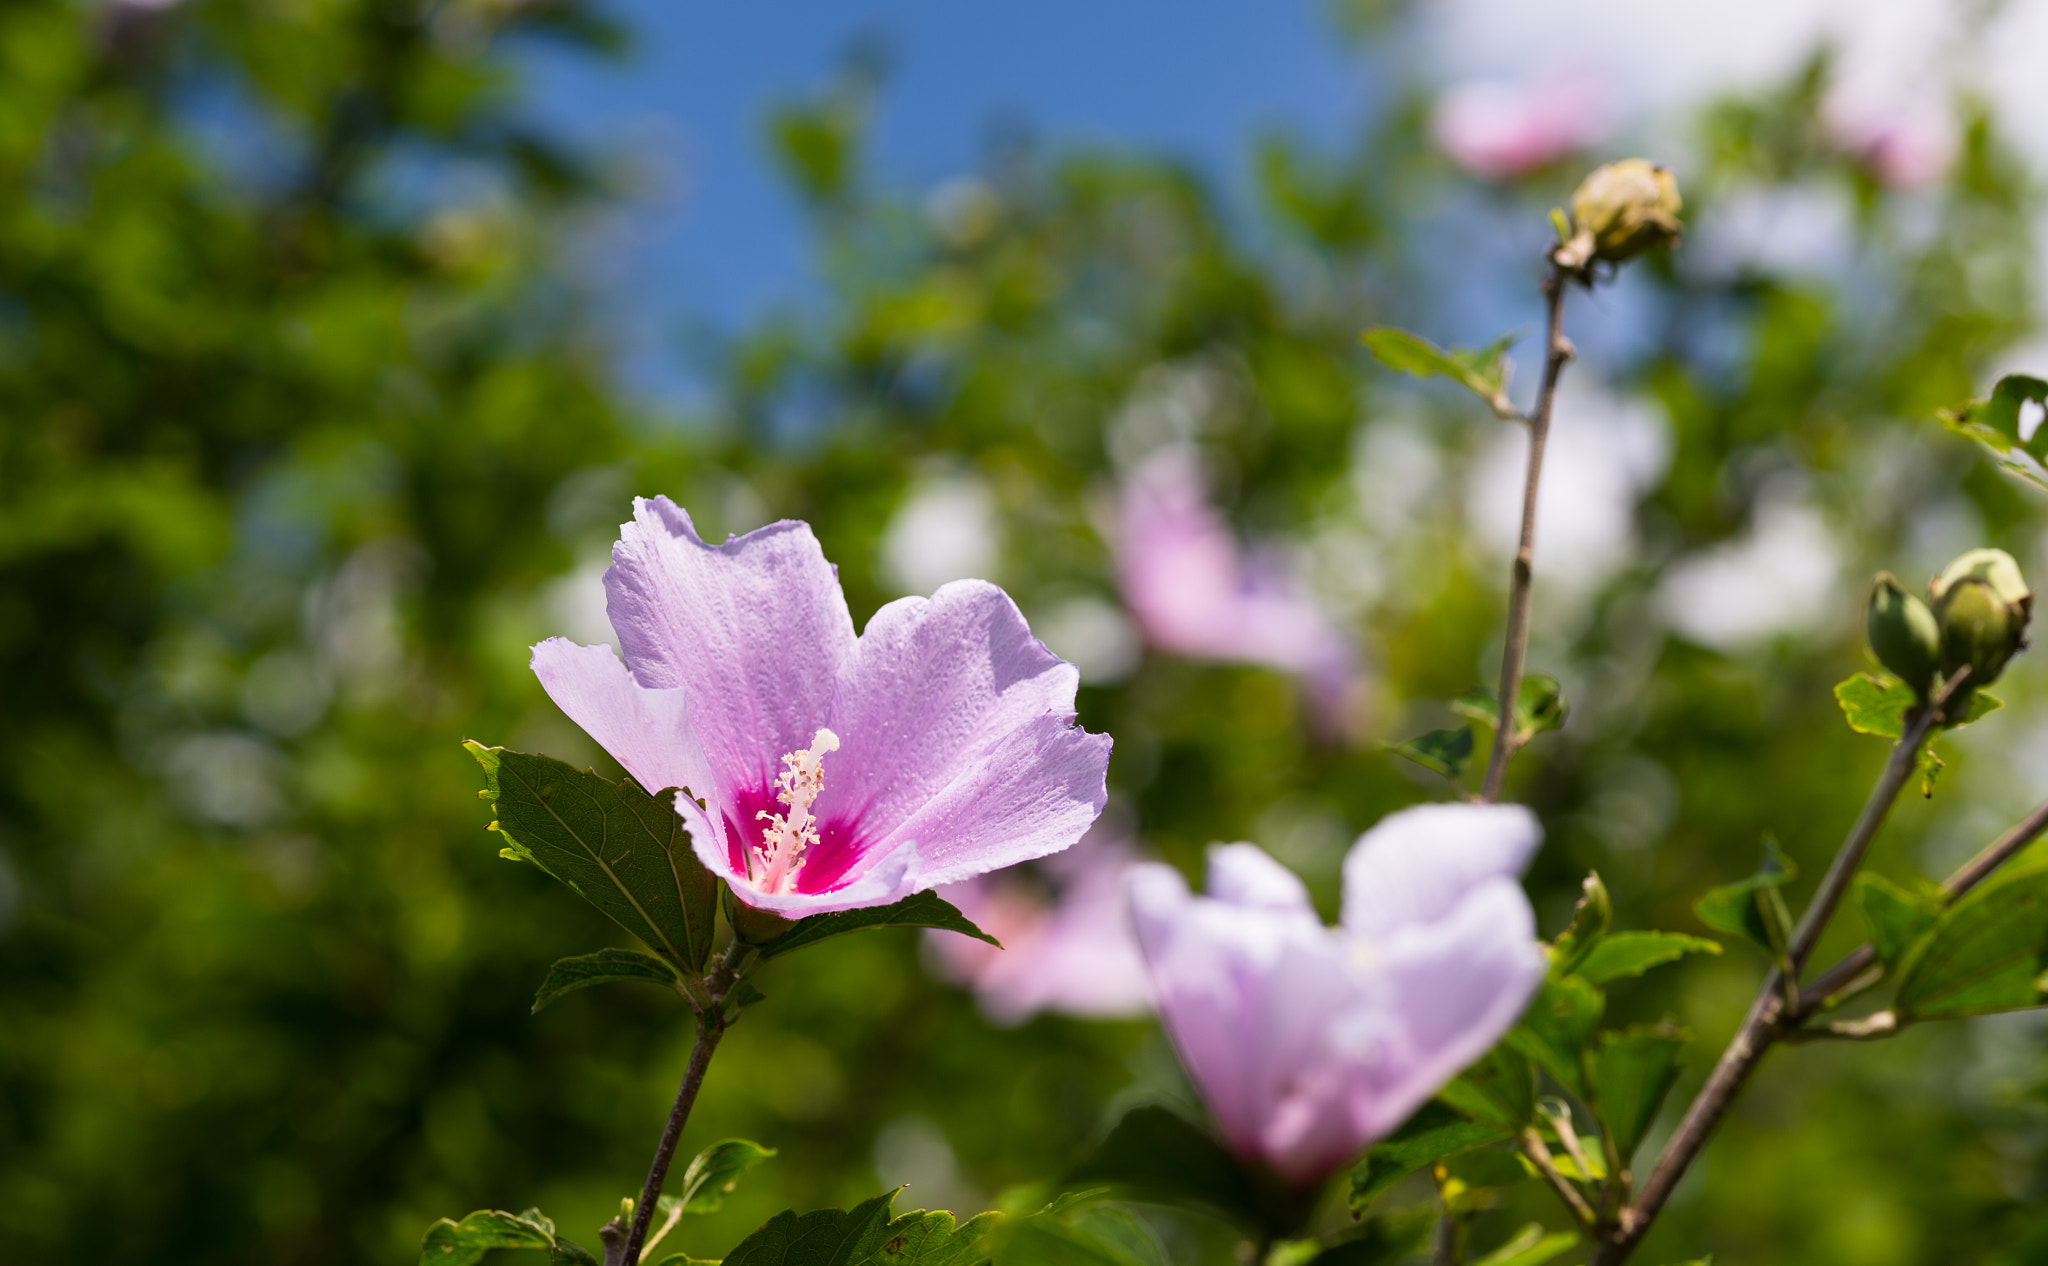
{"x": 621, "y": 849}
{"x": 1154, "y": 1154}
{"x": 1381, "y": 1241}
{"x": 1754, "y": 908}
{"x": 919, "y": 910}
{"x": 464, "y": 1243}
{"x": 1987, "y": 952}
{"x": 1556, "y": 1027}
{"x": 1500, "y": 1088}
{"x": 717, "y": 1170}
{"x": 867, "y": 1235}
{"x": 1446, "y": 752}
{"x": 1633, "y": 953}
{"x": 1632, "y": 1073}
{"x": 684, "y": 1259}
{"x": 1431, "y": 1135}
{"x": 1897, "y": 916}
{"x": 1539, "y": 706}
{"x": 1483, "y": 371}
{"x": 567, "y": 975}
{"x": 1590, "y": 920}
{"x": 1092, "y": 1236}
{"x": 1530, "y": 1247}
{"x": 1995, "y": 423}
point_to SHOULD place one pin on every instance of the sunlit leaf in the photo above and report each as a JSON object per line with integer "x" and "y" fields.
{"x": 1897, "y": 916}
{"x": 1632, "y": 1072}
{"x": 464, "y": 1243}
{"x": 1531, "y": 1246}
{"x": 1590, "y": 920}
{"x": 1987, "y": 952}
{"x": 1995, "y": 423}
{"x": 715, "y": 1173}
{"x": 1431, "y": 1135}
{"x": 1623, "y": 954}
{"x": 1483, "y": 371}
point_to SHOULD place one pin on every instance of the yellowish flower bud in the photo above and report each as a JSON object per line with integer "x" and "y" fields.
{"x": 1620, "y": 211}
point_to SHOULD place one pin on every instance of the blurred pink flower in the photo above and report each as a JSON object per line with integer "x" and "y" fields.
{"x": 1905, "y": 143}
{"x": 1074, "y": 953}
{"x": 1194, "y": 593}
{"x": 1309, "y": 1042}
{"x": 1501, "y": 130}
{"x": 835, "y": 771}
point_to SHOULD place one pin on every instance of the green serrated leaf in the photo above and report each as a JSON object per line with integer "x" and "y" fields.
{"x": 464, "y": 1243}
{"x": 1624, "y": 954}
{"x": 1985, "y": 953}
{"x": 619, "y": 848}
{"x": 1500, "y": 1088}
{"x": 1446, "y": 752}
{"x": 1483, "y": 371}
{"x": 1632, "y": 1073}
{"x": 1754, "y": 908}
{"x": 1531, "y": 1247}
{"x": 1590, "y": 921}
{"x": 1897, "y": 916}
{"x": 716, "y": 1171}
{"x": 919, "y": 910}
{"x": 1557, "y": 1026}
{"x": 567, "y": 975}
{"x": 1433, "y": 1134}
{"x": 1995, "y": 423}
{"x": 867, "y": 1235}
{"x": 1874, "y": 704}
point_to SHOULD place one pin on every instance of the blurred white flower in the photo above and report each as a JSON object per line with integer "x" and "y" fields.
{"x": 1093, "y": 635}
{"x": 1603, "y": 455}
{"x": 1782, "y": 577}
{"x": 1500, "y": 129}
{"x": 945, "y": 529}
{"x": 574, "y": 603}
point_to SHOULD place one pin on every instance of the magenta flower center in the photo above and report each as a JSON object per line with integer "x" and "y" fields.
{"x": 773, "y": 863}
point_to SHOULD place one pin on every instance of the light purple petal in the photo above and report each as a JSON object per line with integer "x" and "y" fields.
{"x": 1246, "y": 875}
{"x": 645, "y": 730}
{"x": 1458, "y": 985}
{"x": 956, "y": 732}
{"x": 1416, "y": 866}
{"x": 755, "y": 629}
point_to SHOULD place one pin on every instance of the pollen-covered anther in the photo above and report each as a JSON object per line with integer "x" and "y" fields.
{"x": 776, "y": 860}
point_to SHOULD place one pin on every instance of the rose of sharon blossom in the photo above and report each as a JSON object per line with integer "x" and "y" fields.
{"x": 1194, "y": 593}
{"x": 1500, "y": 130}
{"x": 1309, "y": 1042}
{"x": 835, "y": 771}
{"x": 1075, "y": 953}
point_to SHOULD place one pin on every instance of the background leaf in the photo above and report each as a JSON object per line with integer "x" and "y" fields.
{"x": 1623, "y": 954}
{"x": 1531, "y": 1247}
{"x": 1987, "y": 952}
{"x": 1632, "y": 1072}
{"x": 1432, "y": 1134}
{"x": 464, "y": 1243}
{"x": 1446, "y": 752}
{"x": 1481, "y": 370}
{"x": 1590, "y": 921}
{"x": 1754, "y": 908}
{"x": 1897, "y": 916}
{"x": 716, "y": 1171}
{"x": 1500, "y": 1088}
{"x": 1557, "y": 1026}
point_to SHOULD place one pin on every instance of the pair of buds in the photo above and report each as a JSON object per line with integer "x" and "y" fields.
{"x": 1975, "y": 614}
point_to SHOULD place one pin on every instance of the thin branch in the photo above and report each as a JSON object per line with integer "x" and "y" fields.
{"x": 1769, "y": 1016}
{"x": 710, "y": 1027}
{"x": 1845, "y": 978}
{"x": 1539, "y": 1155}
{"x": 1557, "y": 351}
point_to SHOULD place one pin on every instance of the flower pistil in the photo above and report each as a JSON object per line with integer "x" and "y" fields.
{"x": 776, "y": 860}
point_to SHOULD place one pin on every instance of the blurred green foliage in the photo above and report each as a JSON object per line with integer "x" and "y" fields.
{"x": 308, "y": 430}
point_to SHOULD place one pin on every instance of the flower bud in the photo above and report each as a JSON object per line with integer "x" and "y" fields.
{"x": 1982, "y": 605}
{"x": 1620, "y": 211}
{"x": 1903, "y": 634}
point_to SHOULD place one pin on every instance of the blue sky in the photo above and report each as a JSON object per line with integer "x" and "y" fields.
{"x": 724, "y": 241}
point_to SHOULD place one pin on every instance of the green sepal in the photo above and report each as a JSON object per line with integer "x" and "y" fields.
{"x": 619, "y": 848}
{"x": 464, "y": 1243}
{"x": 1590, "y": 920}
{"x": 1483, "y": 371}
{"x": 1632, "y": 1072}
{"x": 1557, "y": 1026}
{"x": 1898, "y": 917}
{"x": 1987, "y": 952}
{"x": 1754, "y": 908}
{"x": 1622, "y": 954}
{"x": 1995, "y": 423}
{"x": 567, "y": 975}
{"x": 1433, "y": 1134}
{"x": 918, "y": 910}
{"x": 1445, "y": 752}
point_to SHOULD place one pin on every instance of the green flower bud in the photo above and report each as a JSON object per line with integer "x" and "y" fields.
{"x": 1903, "y": 634}
{"x": 1620, "y": 211}
{"x": 1982, "y": 605}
